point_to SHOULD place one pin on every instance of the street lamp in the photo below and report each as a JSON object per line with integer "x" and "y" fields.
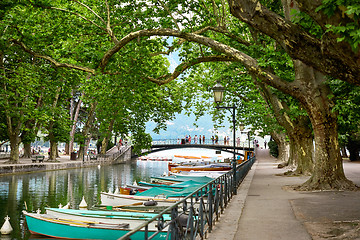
{"x": 218, "y": 91}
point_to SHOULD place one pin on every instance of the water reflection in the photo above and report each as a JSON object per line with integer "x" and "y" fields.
{"x": 48, "y": 189}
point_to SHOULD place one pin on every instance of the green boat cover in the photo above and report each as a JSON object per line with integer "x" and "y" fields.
{"x": 169, "y": 192}
{"x": 178, "y": 178}
{"x": 175, "y": 185}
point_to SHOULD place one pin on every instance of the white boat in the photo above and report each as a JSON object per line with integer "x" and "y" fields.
{"x": 134, "y": 219}
{"x": 211, "y": 174}
{"x": 123, "y": 200}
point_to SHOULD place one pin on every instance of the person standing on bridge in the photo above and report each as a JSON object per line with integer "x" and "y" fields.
{"x": 212, "y": 139}
{"x": 200, "y": 139}
{"x": 195, "y": 139}
{"x": 189, "y": 139}
{"x": 203, "y": 139}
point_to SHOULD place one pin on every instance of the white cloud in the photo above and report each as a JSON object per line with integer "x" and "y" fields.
{"x": 169, "y": 123}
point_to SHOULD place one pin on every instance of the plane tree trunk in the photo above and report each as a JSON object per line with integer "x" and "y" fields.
{"x": 283, "y": 145}
{"x": 297, "y": 128}
{"x": 328, "y": 172}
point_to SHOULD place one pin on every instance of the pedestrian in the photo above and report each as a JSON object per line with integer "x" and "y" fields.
{"x": 212, "y": 139}
{"x": 203, "y": 139}
{"x": 228, "y": 140}
{"x": 265, "y": 144}
{"x": 200, "y": 139}
{"x": 189, "y": 139}
{"x": 186, "y": 139}
{"x": 238, "y": 141}
{"x": 195, "y": 139}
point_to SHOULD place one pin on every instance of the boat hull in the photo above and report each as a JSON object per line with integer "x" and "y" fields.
{"x": 39, "y": 224}
{"x": 111, "y": 217}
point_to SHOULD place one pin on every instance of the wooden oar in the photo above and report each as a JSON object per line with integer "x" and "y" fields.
{"x": 69, "y": 221}
{"x": 128, "y": 205}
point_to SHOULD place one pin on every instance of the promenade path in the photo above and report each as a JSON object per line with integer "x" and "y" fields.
{"x": 265, "y": 208}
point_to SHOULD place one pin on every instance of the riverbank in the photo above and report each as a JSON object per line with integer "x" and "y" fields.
{"x": 26, "y": 165}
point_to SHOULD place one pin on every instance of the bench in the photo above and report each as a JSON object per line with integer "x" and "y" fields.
{"x": 93, "y": 157}
{"x": 38, "y": 158}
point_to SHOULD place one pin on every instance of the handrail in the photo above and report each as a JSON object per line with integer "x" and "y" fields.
{"x": 207, "y": 142}
{"x": 205, "y": 206}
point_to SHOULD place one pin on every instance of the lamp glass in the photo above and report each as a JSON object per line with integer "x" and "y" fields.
{"x": 218, "y": 90}
{"x": 242, "y": 127}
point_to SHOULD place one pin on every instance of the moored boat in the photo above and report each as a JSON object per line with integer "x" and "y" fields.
{"x": 175, "y": 179}
{"x": 210, "y": 167}
{"x": 134, "y": 219}
{"x": 47, "y": 225}
{"x": 120, "y": 200}
{"x": 211, "y": 174}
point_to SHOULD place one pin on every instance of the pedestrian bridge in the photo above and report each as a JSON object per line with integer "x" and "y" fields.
{"x": 166, "y": 144}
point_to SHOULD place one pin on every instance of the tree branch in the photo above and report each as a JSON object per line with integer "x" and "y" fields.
{"x": 168, "y": 10}
{"x": 84, "y": 5}
{"x": 108, "y": 25}
{"x": 250, "y": 63}
{"x": 328, "y": 57}
{"x": 54, "y": 62}
{"x": 79, "y": 15}
{"x": 200, "y": 31}
{"x": 186, "y": 65}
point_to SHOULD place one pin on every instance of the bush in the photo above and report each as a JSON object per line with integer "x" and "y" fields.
{"x": 274, "y": 151}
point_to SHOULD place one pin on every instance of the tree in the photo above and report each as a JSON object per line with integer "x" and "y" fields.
{"x": 215, "y": 38}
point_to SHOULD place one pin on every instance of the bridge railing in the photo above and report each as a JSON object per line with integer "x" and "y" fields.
{"x": 194, "y": 216}
{"x": 207, "y": 142}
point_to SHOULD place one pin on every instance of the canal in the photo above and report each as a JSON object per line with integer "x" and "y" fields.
{"x": 49, "y": 189}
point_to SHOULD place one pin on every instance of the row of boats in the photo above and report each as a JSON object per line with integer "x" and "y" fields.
{"x": 126, "y": 208}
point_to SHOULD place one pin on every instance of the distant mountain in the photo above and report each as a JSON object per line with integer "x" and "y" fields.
{"x": 183, "y": 125}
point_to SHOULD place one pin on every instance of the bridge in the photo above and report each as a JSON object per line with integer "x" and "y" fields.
{"x": 166, "y": 144}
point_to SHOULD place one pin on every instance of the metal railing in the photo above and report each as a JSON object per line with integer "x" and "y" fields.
{"x": 194, "y": 216}
{"x": 207, "y": 142}
{"x": 110, "y": 155}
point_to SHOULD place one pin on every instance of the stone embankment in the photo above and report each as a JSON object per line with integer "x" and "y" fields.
{"x": 27, "y": 165}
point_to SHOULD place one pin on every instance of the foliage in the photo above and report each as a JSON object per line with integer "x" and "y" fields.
{"x": 350, "y": 30}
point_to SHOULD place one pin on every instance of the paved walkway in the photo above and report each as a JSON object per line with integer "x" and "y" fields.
{"x": 264, "y": 210}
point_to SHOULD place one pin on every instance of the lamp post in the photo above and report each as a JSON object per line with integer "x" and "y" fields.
{"x": 242, "y": 127}
{"x": 218, "y": 91}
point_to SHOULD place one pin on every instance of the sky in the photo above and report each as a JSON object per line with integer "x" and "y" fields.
{"x": 183, "y": 125}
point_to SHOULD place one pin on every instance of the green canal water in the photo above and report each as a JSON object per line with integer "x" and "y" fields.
{"x": 49, "y": 189}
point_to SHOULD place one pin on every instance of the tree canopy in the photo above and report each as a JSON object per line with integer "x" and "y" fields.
{"x": 285, "y": 47}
